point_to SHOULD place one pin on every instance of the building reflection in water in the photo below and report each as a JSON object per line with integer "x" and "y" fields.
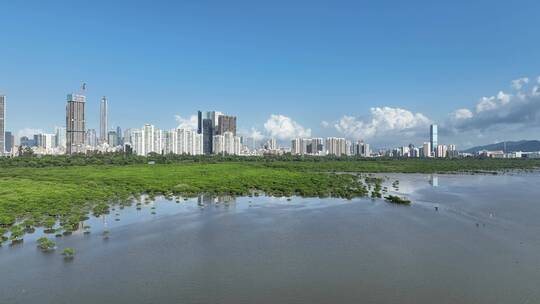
{"x": 207, "y": 199}
{"x": 434, "y": 180}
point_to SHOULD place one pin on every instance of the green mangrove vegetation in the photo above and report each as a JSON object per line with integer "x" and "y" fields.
{"x": 45, "y": 244}
{"x": 58, "y": 193}
{"x": 397, "y": 200}
{"x": 68, "y": 253}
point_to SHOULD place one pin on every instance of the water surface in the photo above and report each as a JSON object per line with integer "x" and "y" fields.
{"x": 482, "y": 245}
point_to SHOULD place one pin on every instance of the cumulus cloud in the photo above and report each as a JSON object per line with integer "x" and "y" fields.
{"x": 256, "y": 134}
{"x": 493, "y": 102}
{"x": 461, "y": 114}
{"x": 520, "y": 109}
{"x": 517, "y": 84}
{"x": 186, "y": 123}
{"x": 325, "y": 124}
{"x": 382, "y": 120}
{"x": 284, "y": 128}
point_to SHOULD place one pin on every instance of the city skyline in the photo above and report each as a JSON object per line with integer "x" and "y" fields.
{"x": 369, "y": 72}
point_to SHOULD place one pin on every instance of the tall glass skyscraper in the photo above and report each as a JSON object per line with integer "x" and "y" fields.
{"x": 2, "y": 124}
{"x": 433, "y": 137}
{"x": 103, "y": 119}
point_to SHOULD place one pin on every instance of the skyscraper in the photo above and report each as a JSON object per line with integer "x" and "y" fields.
{"x": 112, "y": 139}
{"x": 226, "y": 124}
{"x": 2, "y": 124}
{"x": 75, "y": 123}
{"x": 433, "y": 138}
{"x": 91, "y": 138}
{"x": 120, "y": 138}
{"x": 60, "y": 137}
{"x": 10, "y": 141}
{"x": 103, "y": 119}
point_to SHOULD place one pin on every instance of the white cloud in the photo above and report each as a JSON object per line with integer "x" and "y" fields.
{"x": 517, "y": 84}
{"x": 521, "y": 109}
{"x": 461, "y": 114}
{"x": 383, "y": 120}
{"x": 186, "y": 123}
{"x": 256, "y": 134}
{"x": 283, "y": 128}
{"x": 325, "y": 124}
{"x": 493, "y": 102}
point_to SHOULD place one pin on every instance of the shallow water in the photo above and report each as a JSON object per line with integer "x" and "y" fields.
{"x": 482, "y": 245}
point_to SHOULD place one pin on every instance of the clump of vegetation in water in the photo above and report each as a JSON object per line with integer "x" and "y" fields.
{"x": 16, "y": 234}
{"x": 397, "y": 200}
{"x": 45, "y": 244}
{"x": 68, "y": 253}
{"x": 3, "y": 238}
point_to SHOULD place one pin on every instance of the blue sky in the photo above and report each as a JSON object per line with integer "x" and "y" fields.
{"x": 308, "y": 63}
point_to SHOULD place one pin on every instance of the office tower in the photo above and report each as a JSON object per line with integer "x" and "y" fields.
{"x": 120, "y": 138}
{"x": 208, "y": 134}
{"x": 206, "y": 127}
{"x": 10, "y": 141}
{"x": 433, "y": 137}
{"x": 91, "y": 138}
{"x": 226, "y": 124}
{"x": 2, "y": 124}
{"x": 103, "y": 119}
{"x": 199, "y": 122}
{"x": 75, "y": 123}
{"x": 60, "y": 133}
{"x": 112, "y": 139}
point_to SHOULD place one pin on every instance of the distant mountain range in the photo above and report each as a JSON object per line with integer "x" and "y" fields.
{"x": 511, "y": 146}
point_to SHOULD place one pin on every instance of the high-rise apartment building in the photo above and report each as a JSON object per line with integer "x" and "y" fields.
{"x": 2, "y": 124}
{"x": 149, "y": 139}
{"x": 103, "y": 119}
{"x": 336, "y": 146}
{"x": 137, "y": 141}
{"x": 361, "y": 148}
{"x": 60, "y": 133}
{"x": 226, "y": 124}
{"x": 75, "y": 123}
{"x": 91, "y": 138}
{"x": 426, "y": 150}
{"x": 442, "y": 151}
{"x": 433, "y": 138}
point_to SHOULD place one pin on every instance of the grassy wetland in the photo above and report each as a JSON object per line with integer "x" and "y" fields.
{"x": 59, "y": 193}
